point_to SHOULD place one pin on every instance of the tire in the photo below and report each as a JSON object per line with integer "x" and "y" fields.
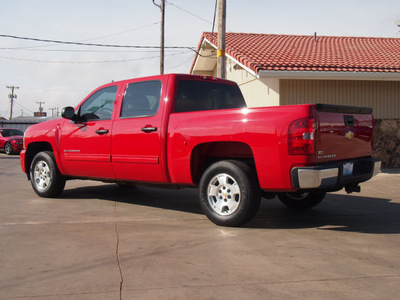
{"x": 46, "y": 179}
{"x": 301, "y": 199}
{"x": 8, "y": 149}
{"x": 229, "y": 193}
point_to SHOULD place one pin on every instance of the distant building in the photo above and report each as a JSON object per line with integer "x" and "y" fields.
{"x": 22, "y": 123}
{"x": 276, "y": 70}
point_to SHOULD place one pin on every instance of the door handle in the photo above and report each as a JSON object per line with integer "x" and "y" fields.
{"x": 102, "y": 131}
{"x": 149, "y": 129}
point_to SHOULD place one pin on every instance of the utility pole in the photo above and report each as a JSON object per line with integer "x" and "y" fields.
{"x": 53, "y": 109}
{"x": 221, "y": 70}
{"x": 12, "y": 96}
{"x": 162, "y": 8}
{"x": 40, "y": 106}
{"x": 162, "y": 37}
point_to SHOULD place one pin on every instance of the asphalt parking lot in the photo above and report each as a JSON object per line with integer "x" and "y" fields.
{"x": 100, "y": 241}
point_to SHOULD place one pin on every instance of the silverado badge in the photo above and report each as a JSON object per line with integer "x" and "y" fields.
{"x": 349, "y": 135}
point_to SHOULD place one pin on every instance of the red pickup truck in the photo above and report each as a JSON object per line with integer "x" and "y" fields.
{"x": 195, "y": 131}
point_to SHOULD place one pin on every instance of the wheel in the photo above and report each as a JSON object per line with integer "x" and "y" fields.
{"x": 46, "y": 179}
{"x": 8, "y": 149}
{"x": 229, "y": 193}
{"x": 302, "y": 199}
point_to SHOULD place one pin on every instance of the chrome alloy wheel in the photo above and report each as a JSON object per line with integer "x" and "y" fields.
{"x": 42, "y": 175}
{"x": 8, "y": 149}
{"x": 224, "y": 194}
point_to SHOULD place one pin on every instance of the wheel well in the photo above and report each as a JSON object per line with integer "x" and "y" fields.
{"x": 206, "y": 154}
{"x": 32, "y": 150}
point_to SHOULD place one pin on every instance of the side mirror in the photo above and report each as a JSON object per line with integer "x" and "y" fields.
{"x": 68, "y": 113}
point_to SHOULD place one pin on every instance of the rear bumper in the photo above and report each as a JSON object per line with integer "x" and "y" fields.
{"x": 335, "y": 175}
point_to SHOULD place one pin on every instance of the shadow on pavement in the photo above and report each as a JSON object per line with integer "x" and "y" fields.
{"x": 391, "y": 171}
{"x": 337, "y": 212}
{"x": 174, "y": 199}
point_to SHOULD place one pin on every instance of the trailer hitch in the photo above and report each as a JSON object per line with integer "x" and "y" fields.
{"x": 353, "y": 188}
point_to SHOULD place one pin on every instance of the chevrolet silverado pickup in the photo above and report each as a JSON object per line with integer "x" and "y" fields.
{"x": 180, "y": 130}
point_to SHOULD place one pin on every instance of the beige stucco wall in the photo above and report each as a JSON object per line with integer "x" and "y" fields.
{"x": 382, "y": 96}
{"x": 257, "y": 92}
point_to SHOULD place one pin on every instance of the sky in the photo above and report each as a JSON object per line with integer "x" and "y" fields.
{"x": 61, "y": 75}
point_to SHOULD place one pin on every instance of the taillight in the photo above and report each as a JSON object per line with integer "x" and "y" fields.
{"x": 301, "y": 136}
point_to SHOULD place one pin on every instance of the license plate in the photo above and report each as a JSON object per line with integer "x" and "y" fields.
{"x": 347, "y": 169}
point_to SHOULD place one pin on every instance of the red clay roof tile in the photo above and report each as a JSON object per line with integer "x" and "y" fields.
{"x": 326, "y": 53}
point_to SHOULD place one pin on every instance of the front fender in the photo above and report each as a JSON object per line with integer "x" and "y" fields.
{"x": 42, "y": 137}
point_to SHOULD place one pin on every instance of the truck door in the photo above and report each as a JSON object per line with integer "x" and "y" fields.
{"x": 136, "y": 137}
{"x": 86, "y": 142}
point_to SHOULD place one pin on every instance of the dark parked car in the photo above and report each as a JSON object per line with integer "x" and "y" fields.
{"x": 11, "y": 140}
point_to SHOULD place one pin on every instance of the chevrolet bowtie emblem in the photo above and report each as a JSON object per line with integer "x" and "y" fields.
{"x": 349, "y": 135}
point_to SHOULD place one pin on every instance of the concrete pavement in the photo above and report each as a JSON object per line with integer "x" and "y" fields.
{"x": 100, "y": 241}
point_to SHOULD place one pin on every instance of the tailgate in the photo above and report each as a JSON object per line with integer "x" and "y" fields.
{"x": 343, "y": 132}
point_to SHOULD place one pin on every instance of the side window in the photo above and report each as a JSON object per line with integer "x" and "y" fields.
{"x": 10, "y": 132}
{"x": 100, "y": 105}
{"x": 141, "y": 99}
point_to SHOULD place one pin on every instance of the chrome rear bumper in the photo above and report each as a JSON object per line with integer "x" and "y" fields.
{"x": 335, "y": 175}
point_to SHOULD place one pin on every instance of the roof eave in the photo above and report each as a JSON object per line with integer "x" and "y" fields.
{"x": 329, "y": 75}
{"x": 249, "y": 70}
{"x": 207, "y": 41}
{"x": 200, "y": 54}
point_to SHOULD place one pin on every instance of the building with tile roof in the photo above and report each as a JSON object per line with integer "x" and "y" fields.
{"x": 276, "y": 69}
{"x": 262, "y": 53}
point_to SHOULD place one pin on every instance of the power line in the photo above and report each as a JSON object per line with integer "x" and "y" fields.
{"x": 181, "y": 64}
{"x": 4, "y": 113}
{"x": 194, "y": 15}
{"x": 95, "y": 38}
{"x": 22, "y": 106}
{"x": 88, "y": 62}
{"x": 118, "y": 33}
{"x": 188, "y": 12}
{"x": 92, "y": 45}
{"x": 91, "y": 51}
